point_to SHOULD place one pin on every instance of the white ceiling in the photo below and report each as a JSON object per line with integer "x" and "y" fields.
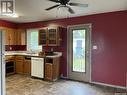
{"x": 34, "y": 10}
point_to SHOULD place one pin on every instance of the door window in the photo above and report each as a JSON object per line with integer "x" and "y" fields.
{"x": 79, "y": 50}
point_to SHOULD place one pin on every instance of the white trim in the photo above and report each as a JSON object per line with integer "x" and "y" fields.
{"x": 67, "y": 52}
{"x": 109, "y": 85}
{"x": 69, "y": 26}
{"x": 1, "y": 80}
{"x": 64, "y": 77}
{"x": 3, "y": 65}
{"x": 3, "y": 88}
{"x": 90, "y": 53}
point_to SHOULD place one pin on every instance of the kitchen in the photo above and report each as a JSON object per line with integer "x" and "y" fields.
{"x": 33, "y": 63}
{"x": 75, "y": 47}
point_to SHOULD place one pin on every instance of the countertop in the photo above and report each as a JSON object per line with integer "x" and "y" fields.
{"x": 25, "y": 53}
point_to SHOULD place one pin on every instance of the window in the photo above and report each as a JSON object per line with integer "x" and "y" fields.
{"x": 32, "y": 40}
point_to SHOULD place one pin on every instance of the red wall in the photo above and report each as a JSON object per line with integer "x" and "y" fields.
{"x": 8, "y": 24}
{"x": 109, "y": 33}
{"x": 15, "y": 48}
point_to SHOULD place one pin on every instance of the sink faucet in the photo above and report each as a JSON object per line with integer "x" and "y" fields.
{"x": 31, "y": 51}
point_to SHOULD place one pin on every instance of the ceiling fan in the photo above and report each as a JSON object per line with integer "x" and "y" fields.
{"x": 67, "y": 4}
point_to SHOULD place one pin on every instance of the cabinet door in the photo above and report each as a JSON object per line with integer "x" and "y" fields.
{"x": 48, "y": 71}
{"x": 10, "y": 36}
{"x": 42, "y": 37}
{"x": 52, "y": 37}
{"x": 27, "y": 67}
{"x": 19, "y": 67}
{"x": 56, "y": 63}
{"x": 20, "y": 36}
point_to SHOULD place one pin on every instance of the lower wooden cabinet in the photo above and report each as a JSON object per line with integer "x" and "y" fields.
{"x": 52, "y": 69}
{"x": 23, "y": 66}
{"x": 19, "y": 67}
{"x": 19, "y": 64}
{"x": 48, "y": 71}
{"x": 27, "y": 66}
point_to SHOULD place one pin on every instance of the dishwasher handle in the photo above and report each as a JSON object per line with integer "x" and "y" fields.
{"x": 27, "y": 58}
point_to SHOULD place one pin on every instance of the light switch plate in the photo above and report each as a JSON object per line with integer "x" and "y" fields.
{"x": 94, "y": 47}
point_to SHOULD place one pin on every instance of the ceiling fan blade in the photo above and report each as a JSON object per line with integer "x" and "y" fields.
{"x": 57, "y": 1}
{"x": 70, "y": 10}
{"x": 78, "y": 4}
{"x": 52, "y": 7}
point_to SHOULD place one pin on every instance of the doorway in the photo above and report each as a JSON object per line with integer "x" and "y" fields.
{"x": 79, "y": 52}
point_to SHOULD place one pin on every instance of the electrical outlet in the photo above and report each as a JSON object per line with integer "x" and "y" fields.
{"x": 10, "y": 48}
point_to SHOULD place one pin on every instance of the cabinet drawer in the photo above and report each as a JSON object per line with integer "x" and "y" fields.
{"x": 19, "y": 58}
{"x": 8, "y": 58}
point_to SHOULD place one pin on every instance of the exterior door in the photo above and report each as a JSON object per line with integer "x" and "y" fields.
{"x": 79, "y": 52}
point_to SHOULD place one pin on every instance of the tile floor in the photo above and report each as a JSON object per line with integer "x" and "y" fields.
{"x": 24, "y": 85}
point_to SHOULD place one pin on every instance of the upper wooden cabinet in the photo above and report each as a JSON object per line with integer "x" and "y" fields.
{"x": 42, "y": 40}
{"x": 10, "y": 36}
{"x": 50, "y": 36}
{"x": 20, "y": 36}
{"x": 15, "y": 36}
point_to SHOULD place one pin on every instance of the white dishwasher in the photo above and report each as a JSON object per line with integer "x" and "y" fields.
{"x": 37, "y": 67}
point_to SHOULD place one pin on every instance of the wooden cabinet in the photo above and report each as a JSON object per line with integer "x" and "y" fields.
{"x": 52, "y": 69}
{"x": 27, "y": 66}
{"x": 15, "y": 36}
{"x": 50, "y": 36}
{"x": 42, "y": 40}
{"x": 23, "y": 65}
{"x": 20, "y": 36}
{"x": 10, "y": 36}
{"x": 19, "y": 62}
{"x": 53, "y": 37}
{"x": 48, "y": 71}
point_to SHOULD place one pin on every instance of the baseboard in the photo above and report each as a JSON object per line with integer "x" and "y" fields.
{"x": 98, "y": 83}
{"x": 109, "y": 85}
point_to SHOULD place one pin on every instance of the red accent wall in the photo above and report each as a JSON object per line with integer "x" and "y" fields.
{"x": 109, "y": 33}
{"x": 15, "y": 47}
{"x": 8, "y": 24}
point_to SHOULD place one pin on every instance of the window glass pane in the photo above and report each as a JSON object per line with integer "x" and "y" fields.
{"x": 32, "y": 40}
{"x": 79, "y": 50}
